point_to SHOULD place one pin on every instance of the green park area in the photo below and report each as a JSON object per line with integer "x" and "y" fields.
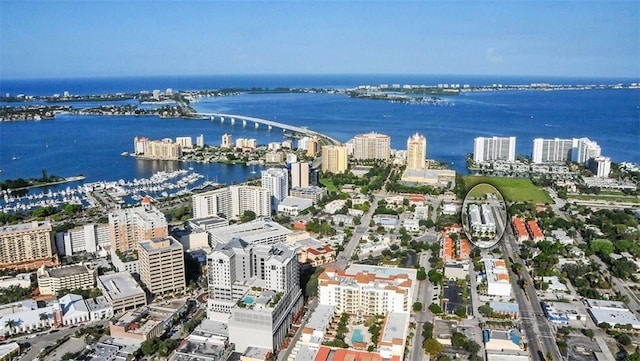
{"x": 481, "y": 189}
{"x": 512, "y": 189}
{"x": 328, "y": 183}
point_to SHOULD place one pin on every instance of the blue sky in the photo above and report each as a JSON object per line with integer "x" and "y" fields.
{"x": 118, "y": 38}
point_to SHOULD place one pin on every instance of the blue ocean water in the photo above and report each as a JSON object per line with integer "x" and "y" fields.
{"x": 91, "y": 145}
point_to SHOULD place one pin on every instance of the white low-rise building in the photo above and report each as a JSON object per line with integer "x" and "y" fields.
{"x": 497, "y": 277}
{"x": 612, "y": 312}
{"x": 20, "y": 280}
{"x": 411, "y": 225}
{"x": 122, "y": 291}
{"x": 334, "y": 206}
{"x": 293, "y": 206}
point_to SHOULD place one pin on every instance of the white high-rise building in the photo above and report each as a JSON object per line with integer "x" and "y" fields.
{"x": 232, "y": 202}
{"x": 88, "y": 238}
{"x": 184, "y": 142}
{"x": 600, "y": 166}
{"x": 300, "y": 175}
{"x": 276, "y": 180}
{"x": 128, "y": 226}
{"x": 416, "y": 151}
{"x": 372, "y": 146}
{"x": 259, "y": 286}
{"x": 494, "y": 148}
{"x": 551, "y": 150}
{"x": 227, "y": 141}
{"x": 200, "y": 141}
{"x": 584, "y": 149}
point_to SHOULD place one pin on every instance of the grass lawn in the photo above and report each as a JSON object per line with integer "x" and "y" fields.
{"x": 480, "y": 190}
{"x": 327, "y": 183}
{"x": 512, "y": 189}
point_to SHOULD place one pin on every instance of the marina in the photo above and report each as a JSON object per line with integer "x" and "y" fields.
{"x": 109, "y": 194}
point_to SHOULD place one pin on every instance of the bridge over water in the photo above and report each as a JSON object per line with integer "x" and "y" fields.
{"x": 233, "y": 118}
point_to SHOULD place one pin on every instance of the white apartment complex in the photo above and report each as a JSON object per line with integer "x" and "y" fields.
{"x": 372, "y": 146}
{"x": 232, "y": 202}
{"x": 552, "y": 150}
{"x": 370, "y": 290}
{"x": 600, "y": 166}
{"x": 481, "y": 220}
{"x": 495, "y": 148}
{"x": 276, "y": 181}
{"x": 88, "y": 238}
{"x": 227, "y": 141}
{"x": 161, "y": 263}
{"x": 585, "y": 149}
{"x": 129, "y": 226}
{"x": 416, "y": 151}
{"x": 259, "y": 286}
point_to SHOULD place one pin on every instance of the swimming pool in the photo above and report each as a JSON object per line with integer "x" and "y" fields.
{"x": 357, "y": 336}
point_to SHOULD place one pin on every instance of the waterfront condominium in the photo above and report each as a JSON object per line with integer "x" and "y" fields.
{"x": 584, "y": 149}
{"x": 165, "y": 149}
{"x": 276, "y": 181}
{"x": 259, "y": 286}
{"x": 227, "y": 141}
{"x": 600, "y": 166}
{"x": 161, "y": 262}
{"x": 416, "y": 151}
{"x": 334, "y": 159}
{"x": 551, "y": 150}
{"x": 26, "y": 246}
{"x": 129, "y": 226}
{"x": 300, "y": 175}
{"x": 494, "y": 149}
{"x": 373, "y": 146}
{"x": 232, "y": 202}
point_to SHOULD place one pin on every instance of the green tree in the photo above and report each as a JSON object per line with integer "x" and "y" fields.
{"x": 432, "y": 346}
{"x": 417, "y": 307}
{"x": 436, "y": 309}
{"x": 248, "y": 216}
{"x": 589, "y": 333}
{"x": 421, "y": 275}
{"x": 458, "y": 340}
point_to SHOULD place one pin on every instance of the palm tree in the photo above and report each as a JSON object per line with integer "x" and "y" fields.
{"x": 11, "y": 324}
{"x": 44, "y": 317}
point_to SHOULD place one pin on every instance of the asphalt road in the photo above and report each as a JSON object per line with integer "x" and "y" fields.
{"x": 541, "y": 339}
{"x": 345, "y": 256}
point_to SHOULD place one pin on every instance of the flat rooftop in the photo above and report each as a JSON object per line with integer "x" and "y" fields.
{"x": 395, "y": 326}
{"x": 31, "y": 226}
{"x": 67, "y": 271}
{"x": 321, "y": 317}
{"x": 120, "y": 285}
{"x": 250, "y": 232}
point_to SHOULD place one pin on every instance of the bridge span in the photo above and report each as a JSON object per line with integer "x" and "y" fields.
{"x": 269, "y": 123}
